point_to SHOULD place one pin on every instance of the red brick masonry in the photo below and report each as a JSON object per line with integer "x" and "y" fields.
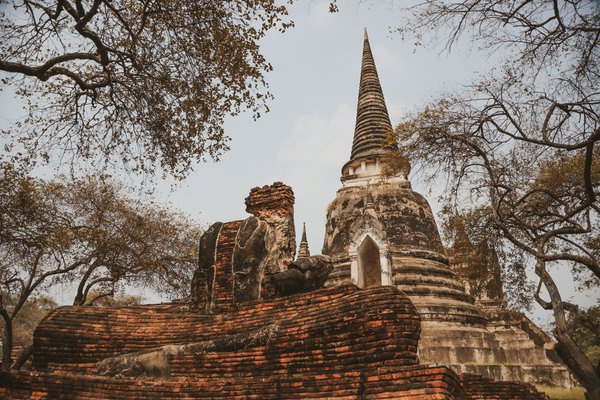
{"x": 276, "y": 199}
{"x": 339, "y": 343}
{"x": 223, "y": 282}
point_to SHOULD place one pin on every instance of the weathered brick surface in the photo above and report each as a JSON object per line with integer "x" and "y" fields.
{"x": 268, "y": 201}
{"x": 340, "y": 343}
{"x": 321, "y": 330}
{"x": 336, "y": 343}
{"x": 236, "y": 259}
{"x": 223, "y": 280}
{"x": 399, "y": 382}
{"x": 409, "y": 382}
{"x": 475, "y": 387}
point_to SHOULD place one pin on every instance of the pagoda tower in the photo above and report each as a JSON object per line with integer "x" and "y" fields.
{"x": 380, "y": 232}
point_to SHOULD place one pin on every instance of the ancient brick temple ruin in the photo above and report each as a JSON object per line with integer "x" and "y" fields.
{"x": 380, "y": 232}
{"x": 258, "y": 326}
{"x": 380, "y": 315}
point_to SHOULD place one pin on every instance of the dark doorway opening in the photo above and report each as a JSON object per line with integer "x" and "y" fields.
{"x": 369, "y": 264}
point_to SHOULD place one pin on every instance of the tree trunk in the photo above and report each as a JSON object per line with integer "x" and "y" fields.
{"x": 80, "y": 296}
{"x": 7, "y": 340}
{"x": 576, "y": 360}
{"x": 570, "y": 353}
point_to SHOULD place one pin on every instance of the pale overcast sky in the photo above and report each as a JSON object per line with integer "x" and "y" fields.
{"x": 306, "y": 137}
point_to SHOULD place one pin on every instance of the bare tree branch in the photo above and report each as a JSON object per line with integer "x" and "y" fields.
{"x": 146, "y": 85}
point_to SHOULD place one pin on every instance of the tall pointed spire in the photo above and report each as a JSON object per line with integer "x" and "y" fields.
{"x": 373, "y": 128}
{"x": 303, "y": 250}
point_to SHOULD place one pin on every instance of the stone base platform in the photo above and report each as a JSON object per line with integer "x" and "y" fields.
{"x": 502, "y": 351}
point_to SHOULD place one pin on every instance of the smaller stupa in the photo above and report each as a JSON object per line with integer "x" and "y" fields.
{"x": 303, "y": 251}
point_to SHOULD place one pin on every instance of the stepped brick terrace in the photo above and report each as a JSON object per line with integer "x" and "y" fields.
{"x": 342, "y": 343}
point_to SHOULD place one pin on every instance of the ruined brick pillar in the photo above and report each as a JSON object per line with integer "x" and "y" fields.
{"x": 236, "y": 258}
{"x": 274, "y": 204}
{"x": 270, "y": 201}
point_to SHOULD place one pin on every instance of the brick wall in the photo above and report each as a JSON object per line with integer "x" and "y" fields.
{"x": 274, "y": 200}
{"x": 338, "y": 343}
{"x": 475, "y": 387}
{"x": 330, "y": 324}
{"x": 414, "y": 382}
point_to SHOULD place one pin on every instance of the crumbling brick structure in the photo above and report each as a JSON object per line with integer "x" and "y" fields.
{"x": 259, "y": 326}
{"x": 381, "y": 232}
{"x": 340, "y": 342}
{"x": 236, "y": 258}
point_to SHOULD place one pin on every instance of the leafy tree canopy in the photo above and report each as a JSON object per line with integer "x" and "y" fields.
{"x": 88, "y": 235}
{"x": 144, "y": 84}
{"x": 30, "y": 316}
{"x": 586, "y": 330}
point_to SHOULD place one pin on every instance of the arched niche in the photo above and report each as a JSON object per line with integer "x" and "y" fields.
{"x": 369, "y": 263}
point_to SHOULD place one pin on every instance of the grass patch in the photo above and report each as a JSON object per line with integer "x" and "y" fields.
{"x": 556, "y": 393}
